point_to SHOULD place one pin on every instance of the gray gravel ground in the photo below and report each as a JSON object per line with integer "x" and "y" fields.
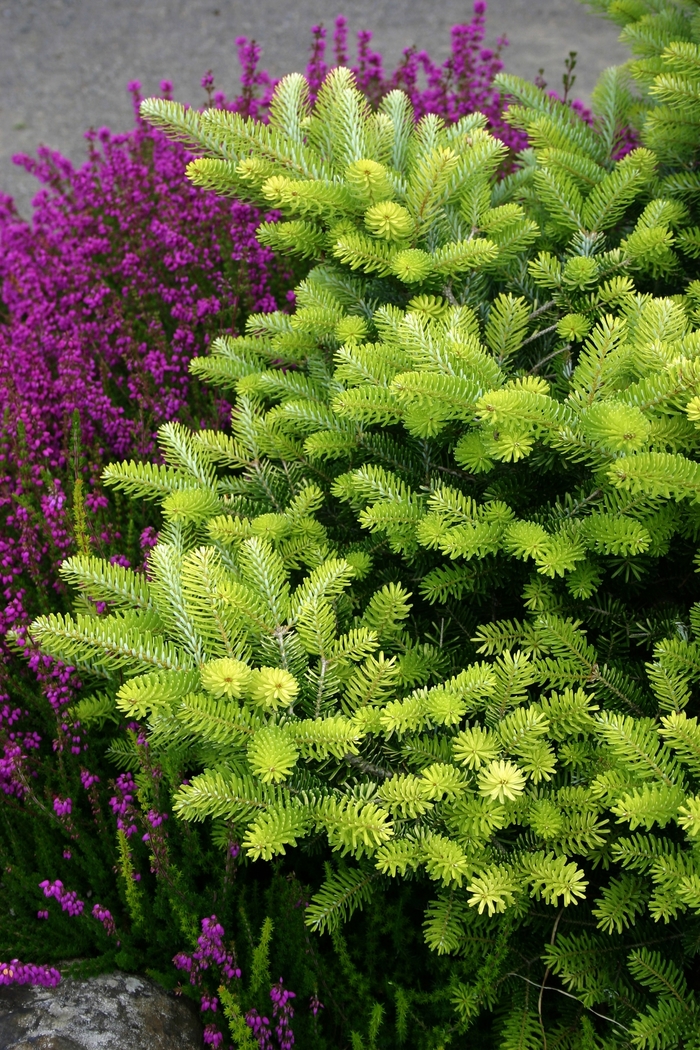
{"x": 64, "y": 64}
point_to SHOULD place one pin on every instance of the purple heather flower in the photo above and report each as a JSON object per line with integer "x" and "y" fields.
{"x": 122, "y": 804}
{"x": 155, "y": 819}
{"x": 62, "y": 806}
{"x": 316, "y": 69}
{"x": 210, "y": 950}
{"x": 260, "y": 1027}
{"x": 315, "y": 1004}
{"x": 212, "y": 1036}
{"x": 87, "y": 779}
{"x": 120, "y": 559}
{"x": 68, "y": 899}
{"x": 15, "y": 972}
{"x": 148, "y": 538}
{"x": 282, "y": 1012}
{"x": 11, "y": 765}
{"x": 340, "y": 41}
{"x": 104, "y": 916}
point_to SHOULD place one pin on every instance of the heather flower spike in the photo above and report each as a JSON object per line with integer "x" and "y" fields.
{"x": 15, "y": 972}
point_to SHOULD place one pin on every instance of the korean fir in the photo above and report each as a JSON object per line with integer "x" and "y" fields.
{"x": 427, "y": 612}
{"x": 124, "y": 272}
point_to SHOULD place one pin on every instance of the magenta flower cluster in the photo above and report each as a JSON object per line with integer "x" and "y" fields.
{"x": 62, "y": 807}
{"x": 155, "y": 820}
{"x": 57, "y": 684}
{"x": 15, "y": 972}
{"x": 87, "y": 779}
{"x": 13, "y": 760}
{"x": 212, "y": 1036}
{"x": 315, "y": 1005}
{"x": 68, "y": 899}
{"x": 282, "y": 1012}
{"x": 122, "y": 804}
{"x": 210, "y": 952}
{"x": 462, "y": 84}
{"x": 104, "y": 916}
{"x": 260, "y": 1027}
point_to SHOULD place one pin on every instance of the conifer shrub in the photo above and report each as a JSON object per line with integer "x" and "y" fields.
{"x": 428, "y": 611}
{"x": 416, "y": 650}
{"x": 410, "y": 675}
{"x": 481, "y": 379}
{"x": 124, "y": 272}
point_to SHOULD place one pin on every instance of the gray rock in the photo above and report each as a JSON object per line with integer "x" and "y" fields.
{"x": 112, "y": 1012}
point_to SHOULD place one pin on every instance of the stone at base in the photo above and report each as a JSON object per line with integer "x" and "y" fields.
{"x": 112, "y": 1012}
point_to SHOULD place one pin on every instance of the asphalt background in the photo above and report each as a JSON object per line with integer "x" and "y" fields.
{"x": 64, "y": 64}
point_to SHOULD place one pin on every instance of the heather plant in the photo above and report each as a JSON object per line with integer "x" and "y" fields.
{"x": 124, "y": 273}
{"x": 462, "y": 84}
